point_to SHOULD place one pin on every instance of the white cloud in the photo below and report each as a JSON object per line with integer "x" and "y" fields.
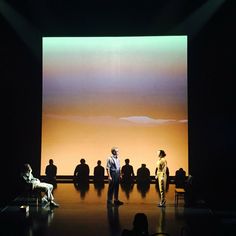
{"x": 148, "y": 120}
{"x": 141, "y": 120}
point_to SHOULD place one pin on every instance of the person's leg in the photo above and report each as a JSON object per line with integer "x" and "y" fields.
{"x": 110, "y": 190}
{"x": 48, "y": 192}
{"x": 116, "y": 187}
{"x": 116, "y": 190}
{"x": 164, "y": 188}
{"x": 162, "y": 182}
{"x": 47, "y": 188}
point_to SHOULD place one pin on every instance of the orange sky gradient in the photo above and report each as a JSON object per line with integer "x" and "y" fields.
{"x": 100, "y": 92}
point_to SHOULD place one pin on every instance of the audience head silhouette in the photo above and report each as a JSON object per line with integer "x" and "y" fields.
{"x": 140, "y": 226}
{"x": 127, "y": 161}
{"x": 51, "y": 161}
{"x": 82, "y": 161}
{"x": 99, "y": 162}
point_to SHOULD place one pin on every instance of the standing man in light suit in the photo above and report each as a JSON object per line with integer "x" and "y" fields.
{"x": 113, "y": 172}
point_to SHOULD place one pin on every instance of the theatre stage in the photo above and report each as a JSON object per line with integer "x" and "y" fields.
{"x": 84, "y": 212}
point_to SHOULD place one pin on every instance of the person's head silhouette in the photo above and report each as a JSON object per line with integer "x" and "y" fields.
{"x": 143, "y": 165}
{"x": 99, "y": 162}
{"x": 82, "y": 161}
{"x": 51, "y": 161}
{"x": 162, "y": 153}
{"x": 140, "y": 224}
{"x": 27, "y": 168}
{"x": 127, "y": 161}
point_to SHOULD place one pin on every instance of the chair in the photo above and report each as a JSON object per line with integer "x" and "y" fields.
{"x": 179, "y": 194}
{"x": 30, "y": 195}
{"x": 33, "y": 196}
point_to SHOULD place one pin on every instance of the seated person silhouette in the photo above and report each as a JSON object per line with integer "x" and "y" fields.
{"x": 140, "y": 226}
{"x": 81, "y": 173}
{"x": 32, "y": 183}
{"x": 51, "y": 172}
{"x": 99, "y": 178}
{"x": 190, "y": 192}
{"x": 180, "y": 178}
{"x": 127, "y": 172}
{"x": 143, "y": 175}
{"x": 143, "y": 180}
{"x": 99, "y": 173}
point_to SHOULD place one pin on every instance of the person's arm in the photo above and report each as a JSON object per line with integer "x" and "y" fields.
{"x": 87, "y": 170}
{"x": 109, "y": 175}
{"x": 108, "y": 169}
{"x": 156, "y": 172}
{"x": 132, "y": 171}
{"x": 26, "y": 178}
{"x": 75, "y": 172}
{"x": 122, "y": 170}
{"x": 29, "y": 178}
{"x": 121, "y": 176}
{"x": 165, "y": 167}
{"x": 33, "y": 179}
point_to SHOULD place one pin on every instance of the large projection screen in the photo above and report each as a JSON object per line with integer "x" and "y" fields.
{"x": 128, "y": 92}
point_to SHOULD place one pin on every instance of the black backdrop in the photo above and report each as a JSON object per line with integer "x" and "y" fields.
{"x": 210, "y": 78}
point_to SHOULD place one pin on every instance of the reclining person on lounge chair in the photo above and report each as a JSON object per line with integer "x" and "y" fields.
{"x": 35, "y": 183}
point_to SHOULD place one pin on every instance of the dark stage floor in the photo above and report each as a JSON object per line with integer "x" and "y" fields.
{"x": 84, "y": 212}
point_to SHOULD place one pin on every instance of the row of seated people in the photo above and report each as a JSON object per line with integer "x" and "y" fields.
{"x": 82, "y": 170}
